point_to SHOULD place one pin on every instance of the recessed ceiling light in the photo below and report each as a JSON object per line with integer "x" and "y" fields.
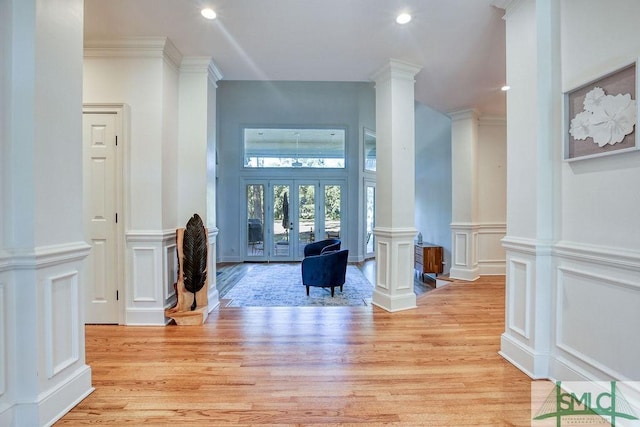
{"x": 208, "y": 13}
{"x": 403, "y": 18}
{"x": 505, "y": 88}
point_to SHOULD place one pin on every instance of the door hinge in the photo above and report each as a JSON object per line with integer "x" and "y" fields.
{"x": 117, "y": 295}
{"x": 116, "y": 217}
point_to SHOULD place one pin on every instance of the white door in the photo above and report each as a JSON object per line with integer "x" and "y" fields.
{"x": 100, "y": 216}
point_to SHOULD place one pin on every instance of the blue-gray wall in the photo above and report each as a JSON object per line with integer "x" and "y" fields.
{"x": 346, "y": 104}
{"x": 433, "y": 178}
{"x": 281, "y": 104}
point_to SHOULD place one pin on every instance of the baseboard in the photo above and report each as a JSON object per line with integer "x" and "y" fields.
{"x": 51, "y": 406}
{"x": 464, "y": 274}
{"x": 522, "y": 357}
{"x": 73, "y": 391}
{"x": 146, "y": 317}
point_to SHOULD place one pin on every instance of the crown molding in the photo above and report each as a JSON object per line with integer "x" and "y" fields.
{"x": 134, "y": 47}
{"x": 492, "y": 120}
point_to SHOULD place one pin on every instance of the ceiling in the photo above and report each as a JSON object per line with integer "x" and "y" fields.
{"x": 460, "y": 44}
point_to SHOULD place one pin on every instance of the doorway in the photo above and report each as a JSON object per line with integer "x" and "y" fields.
{"x": 283, "y": 216}
{"x": 102, "y": 184}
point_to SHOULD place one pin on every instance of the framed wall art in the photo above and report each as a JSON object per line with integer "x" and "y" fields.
{"x": 601, "y": 116}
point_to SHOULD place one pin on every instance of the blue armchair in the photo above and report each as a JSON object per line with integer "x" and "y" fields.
{"x": 327, "y": 270}
{"x": 321, "y": 246}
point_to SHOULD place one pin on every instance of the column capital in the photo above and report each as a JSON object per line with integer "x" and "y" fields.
{"x": 201, "y": 64}
{"x": 396, "y": 68}
{"x": 470, "y": 113}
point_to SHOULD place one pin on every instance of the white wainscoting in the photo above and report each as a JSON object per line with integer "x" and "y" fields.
{"x": 61, "y": 325}
{"x": 519, "y": 297}
{"x": 518, "y": 345}
{"x": 171, "y": 272}
{"x": 477, "y": 250}
{"x": 464, "y": 253}
{"x": 491, "y": 254}
{"x": 572, "y": 311}
{"x": 598, "y": 295}
{"x": 151, "y": 272}
{"x": 147, "y": 269}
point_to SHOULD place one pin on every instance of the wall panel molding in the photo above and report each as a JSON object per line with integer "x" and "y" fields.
{"x": 601, "y": 255}
{"x": 611, "y": 298}
{"x": 61, "y": 327}
{"x": 151, "y": 271}
{"x": 520, "y": 279}
{"x": 145, "y": 274}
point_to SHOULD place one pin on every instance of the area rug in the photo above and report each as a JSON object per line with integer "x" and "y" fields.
{"x": 280, "y": 285}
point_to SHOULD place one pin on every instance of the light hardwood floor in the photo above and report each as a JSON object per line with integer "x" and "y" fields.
{"x": 436, "y": 365}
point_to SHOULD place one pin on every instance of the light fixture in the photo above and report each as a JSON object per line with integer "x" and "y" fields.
{"x": 505, "y": 88}
{"x": 403, "y": 18}
{"x": 208, "y": 13}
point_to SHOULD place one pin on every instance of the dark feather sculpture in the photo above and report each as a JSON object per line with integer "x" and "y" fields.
{"x": 194, "y": 250}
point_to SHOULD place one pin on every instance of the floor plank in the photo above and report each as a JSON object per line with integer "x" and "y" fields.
{"x": 436, "y": 365}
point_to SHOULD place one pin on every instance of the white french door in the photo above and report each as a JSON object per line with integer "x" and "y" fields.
{"x": 283, "y": 216}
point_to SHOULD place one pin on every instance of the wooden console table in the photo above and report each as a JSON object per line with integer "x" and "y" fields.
{"x": 428, "y": 259}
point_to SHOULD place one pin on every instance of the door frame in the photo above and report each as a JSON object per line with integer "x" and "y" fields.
{"x": 121, "y": 112}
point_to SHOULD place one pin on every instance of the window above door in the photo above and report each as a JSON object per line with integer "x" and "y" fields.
{"x": 294, "y": 148}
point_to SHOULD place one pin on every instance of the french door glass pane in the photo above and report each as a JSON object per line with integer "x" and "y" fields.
{"x": 332, "y": 199}
{"x": 281, "y": 220}
{"x": 255, "y": 220}
{"x": 371, "y": 208}
{"x": 306, "y": 215}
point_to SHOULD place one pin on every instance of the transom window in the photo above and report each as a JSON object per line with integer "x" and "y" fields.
{"x": 294, "y": 148}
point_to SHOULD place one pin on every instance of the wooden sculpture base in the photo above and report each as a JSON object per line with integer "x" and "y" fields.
{"x": 188, "y": 318}
{"x": 182, "y": 313}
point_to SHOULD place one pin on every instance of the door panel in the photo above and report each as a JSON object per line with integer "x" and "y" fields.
{"x": 290, "y": 217}
{"x": 282, "y": 222}
{"x": 99, "y": 166}
{"x": 306, "y": 216}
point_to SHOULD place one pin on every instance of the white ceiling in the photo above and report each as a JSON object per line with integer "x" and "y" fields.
{"x": 460, "y": 44}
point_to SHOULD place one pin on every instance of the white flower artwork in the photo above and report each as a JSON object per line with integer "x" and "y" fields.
{"x": 606, "y": 118}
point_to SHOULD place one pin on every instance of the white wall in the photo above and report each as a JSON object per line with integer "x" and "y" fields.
{"x": 137, "y": 82}
{"x": 573, "y": 258}
{"x": 42, "y": 256}
{"x": 478, "y": 159}
{"x": 599, "y": 259}
{"x": 492, "y": 194}
{"x": 143, "y": 74}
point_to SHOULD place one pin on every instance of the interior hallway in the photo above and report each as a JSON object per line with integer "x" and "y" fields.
{"x": 436, "y": 365}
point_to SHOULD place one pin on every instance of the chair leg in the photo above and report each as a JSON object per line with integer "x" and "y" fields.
{"x": 307, "y": 291}
{"x": 333, "y": 288}
{"x": 340, "y": 288}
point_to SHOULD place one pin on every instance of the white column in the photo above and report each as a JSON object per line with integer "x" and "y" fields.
{"x": 464, "y": 200}
{"x": 196, "y": 152}
{"x": 42, "y": 256}
{"x": 395, "y": 183}
{"x": 534, "y": 155}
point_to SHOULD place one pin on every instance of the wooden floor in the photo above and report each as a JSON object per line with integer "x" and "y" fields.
{"x": 437, "y": 365}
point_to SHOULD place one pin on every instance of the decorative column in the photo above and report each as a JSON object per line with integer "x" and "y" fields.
{"x": 196, "y": 152}
{"x": 395, "y": 186}
{"x": 464, "y": 198}
{"x": 533, "y": 202}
